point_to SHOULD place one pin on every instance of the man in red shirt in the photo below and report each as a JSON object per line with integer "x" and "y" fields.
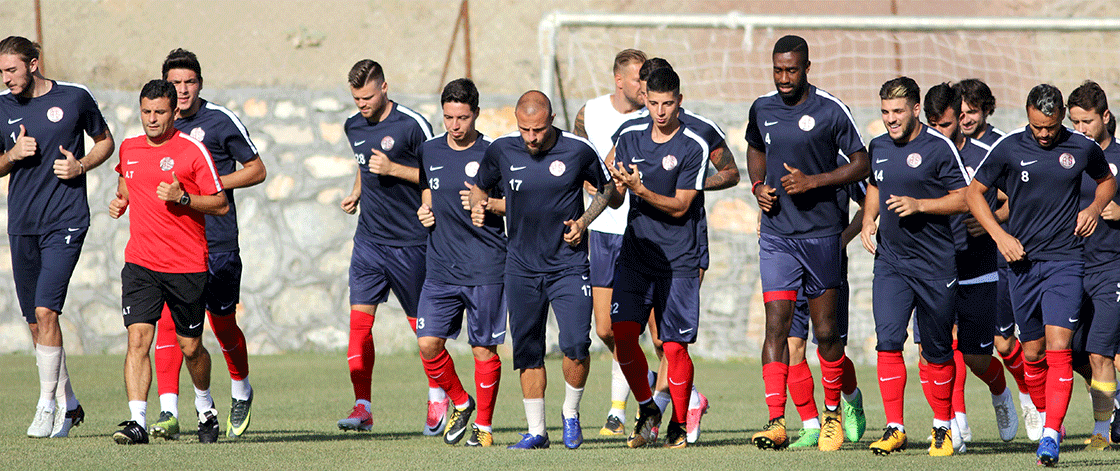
{"x": 170, "y": 179}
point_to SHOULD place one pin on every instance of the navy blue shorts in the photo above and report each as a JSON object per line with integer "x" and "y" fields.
{"x": 41, "y": 268}
{"x": 529, "y": 296}
{"x": 1103, "y": 290}
{"x": 799, "y": 326}
{"x": 223, "y": 286}
{"x": 895, "y": 296}
{"x": 144, "y": 292}
{"x": 1043, "y": 293}
{"x": 375, "y": 268}
{"x": 604, "y": 248}
{"x": 675, "y": 302}
{"x": 787, "y": 265}
{"x": 1005, "y": 316}
{"x": 976, "y": 326}
{"x": 442, "y": 306}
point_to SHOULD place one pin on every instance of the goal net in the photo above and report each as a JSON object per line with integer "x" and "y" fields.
{"x": 724, "y": 63}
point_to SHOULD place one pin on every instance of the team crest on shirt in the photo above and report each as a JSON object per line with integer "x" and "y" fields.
{"x": 54, "y": 114}
{"x": 971, "y": 172}
{"x": 914, "y": 160}
{"x": 669, "y": 162}
{"x": 556, "y": 168}
{"x": 1066, "y": 160}
{"x": 471, "y": 169}
{"x": 198, "y": 134}
{"x": 806, "y": 123}
{"x": 387, "y": 143}
{"x": 1113, "y": 168}
{"x": 166, "y": 164}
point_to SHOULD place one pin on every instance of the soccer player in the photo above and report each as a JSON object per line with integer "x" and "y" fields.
{"x": 976, "y": 280}
{"x": 465, "y": 265}
{"x": 542, "y": 170}
{"x": 977, "y": 105}
{"x": 597, "y": 121}
{"x": 794, "y": 136}
{"x": 1088, "y": 111}
{"x": 390, "y": 243}
{"x": 917, "y": 182}
{"x": 228, "y": 142}
{"x": 662, "y": 164}
{"x": 170, "y": 180}
{"x": 726, "y": 175}
{"x": 1039, "y": 167}
{"x": 48, "y": 213}
{"x": 800, "y": 380}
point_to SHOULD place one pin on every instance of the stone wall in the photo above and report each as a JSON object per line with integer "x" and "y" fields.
{"x": 296, "y": 242}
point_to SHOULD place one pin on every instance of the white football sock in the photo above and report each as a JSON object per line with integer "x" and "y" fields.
{"x": 170, "y": 403}
{"x": 48, "y": 360}
{"x": 240, "y": 389}
{"x": 572, "y": 396}
{"x": 139, "y": 411}
{"x": 534, "y": 415}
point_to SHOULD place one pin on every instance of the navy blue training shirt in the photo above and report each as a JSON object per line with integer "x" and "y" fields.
{"x": 991, "y": 135}
{"x": 228, "y": 142}
{"x": 458, "y": 252}
{"x": 38, "y": 201}
{"x": 808, "y": 137}
{"x": 1043, "y": 188}
{"x": 656, "y": 243}
{"x": 1102, "y": 248}
{"x": 976, "y": 256}
{"x": 919, "y": 245}
{"x": 542, "y": 191}
{"x": 388, "y": 204}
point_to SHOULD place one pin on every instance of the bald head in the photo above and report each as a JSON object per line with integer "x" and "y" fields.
{"x": 532, "y": 103}
{"x": 534, "y": 121}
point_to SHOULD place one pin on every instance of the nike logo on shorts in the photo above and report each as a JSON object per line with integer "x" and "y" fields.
{"x": 194, "y": 326}
{"x": 1008, "y": 326}
{"x": 950, "y": 284}
{"x": 499, "y": 334}
{"x": 1073, "y": 320}
{"x": 684, "y": 331}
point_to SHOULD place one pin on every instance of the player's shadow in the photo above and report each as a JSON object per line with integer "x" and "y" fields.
{"x": 280, "y": 436}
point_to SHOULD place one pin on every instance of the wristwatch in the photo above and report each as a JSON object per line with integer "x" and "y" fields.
{"x": 185, "y": 200}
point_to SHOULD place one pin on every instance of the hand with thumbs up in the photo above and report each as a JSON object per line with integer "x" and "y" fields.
{"x": 24, "y": 147}
{"x": 117, "y": 206}
{"x": 68, "y": 167}
{"x": 575, "y": 232}
{"x": 796, "y": 182}
{"x": 170, "y": 192}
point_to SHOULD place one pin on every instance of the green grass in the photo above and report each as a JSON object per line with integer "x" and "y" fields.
{"x": 299, "y": 397}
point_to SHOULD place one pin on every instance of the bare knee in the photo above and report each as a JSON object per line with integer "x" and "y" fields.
{"x": 430, "y": 347}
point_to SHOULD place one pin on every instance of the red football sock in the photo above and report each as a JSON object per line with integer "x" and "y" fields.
{"x": 960, "y": 374}
{"x": 800, "y": 382}
{"x": 993, "y": 377}
{"x": 832, "y": 373}
{"x": 939, "y": 388}
{"x": 412, "y": 323}
{"x": 1035, "y": 373}
{"x": 848, "y": 382}
{"x": 680, "y": 378}
{"x": 1059, "y": 387}
{"x": 632, "y": 359}
{"x": 892, "y": 384}
{"x": 487, "y": 376}
{"x": 360, "y": 354}
{"x": 1014, "y": 363}
{"x": 232, "y": 340}
{"x": 441, "y": 370}
{"x": 168, "y": 357}
{"x": 774, "y": 377}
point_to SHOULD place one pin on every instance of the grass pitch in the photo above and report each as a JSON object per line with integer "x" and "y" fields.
{"x": 299, "y": 397}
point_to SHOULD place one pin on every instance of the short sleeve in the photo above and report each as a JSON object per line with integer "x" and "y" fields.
{"x": 951, "y": 171}
{"x": 693, "y": 165}
{"x": 92, "y": 121}
{"x": 753, "y": 135}
{"x": 489, "y": 170}
{"x": 1097, "y": 167}
{"x": 847, "y": 137}
{"x": 991, "y": 169}
{"x": 237, "y": 142}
